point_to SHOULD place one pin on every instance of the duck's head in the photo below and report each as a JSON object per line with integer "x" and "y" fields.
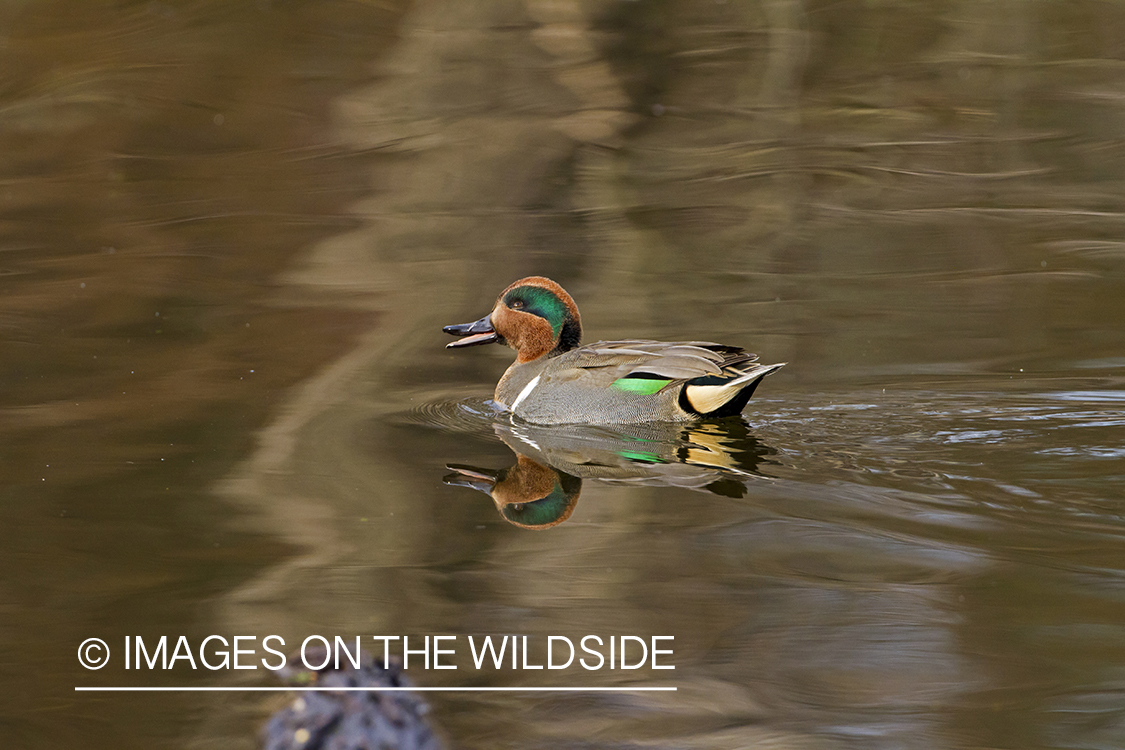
{"x": 529, "y": 494}
{"x": 535, "y": 316}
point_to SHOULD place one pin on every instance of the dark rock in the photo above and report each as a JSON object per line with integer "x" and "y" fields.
{"x": 349, "y": 720}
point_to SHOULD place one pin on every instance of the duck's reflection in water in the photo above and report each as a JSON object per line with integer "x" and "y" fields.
{"x": 541, "y": 490}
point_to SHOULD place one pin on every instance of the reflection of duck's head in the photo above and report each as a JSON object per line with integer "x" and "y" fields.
{"x": 529, "y": 494}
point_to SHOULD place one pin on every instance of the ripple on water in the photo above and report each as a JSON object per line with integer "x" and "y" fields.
{"x": 973, "y": 443}
{"x": 1001, "y": 450}
{"x": 1087, "y": 451}
{"x": 460, "y": 415}
{"x": 1114, "y": 396}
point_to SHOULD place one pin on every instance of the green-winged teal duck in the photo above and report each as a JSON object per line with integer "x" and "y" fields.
{"x": 557, "y": 380}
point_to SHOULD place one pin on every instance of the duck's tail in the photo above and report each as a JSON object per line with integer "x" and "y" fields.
{"x": 725, "y": 398}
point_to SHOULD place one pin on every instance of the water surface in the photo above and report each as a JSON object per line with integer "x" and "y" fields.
{"x": 230, "y": 238}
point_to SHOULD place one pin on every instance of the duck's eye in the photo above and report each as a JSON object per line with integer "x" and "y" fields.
{"x": 517, "y": 304}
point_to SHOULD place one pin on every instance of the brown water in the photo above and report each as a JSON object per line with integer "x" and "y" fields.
{"x": 230, "y": 235}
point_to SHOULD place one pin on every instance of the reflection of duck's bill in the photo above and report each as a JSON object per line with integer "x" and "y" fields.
{"x": 472, "y": 477}
{"x": 478, "y": 332}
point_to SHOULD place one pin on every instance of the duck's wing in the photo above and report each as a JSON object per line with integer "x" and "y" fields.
{"x": 662, "y": 361}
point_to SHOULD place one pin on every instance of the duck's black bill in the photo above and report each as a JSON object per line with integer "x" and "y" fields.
{"x": 479, "y": 332}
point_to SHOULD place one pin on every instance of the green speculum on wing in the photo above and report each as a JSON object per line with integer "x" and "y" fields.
{"x": 640, "y": 386}
{"x": 642, "y": 457}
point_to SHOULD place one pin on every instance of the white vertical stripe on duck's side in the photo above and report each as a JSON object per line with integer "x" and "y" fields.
{"x": 527, "y": 389}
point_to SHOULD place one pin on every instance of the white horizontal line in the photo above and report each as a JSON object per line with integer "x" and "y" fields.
{"x": 108, "y": 689}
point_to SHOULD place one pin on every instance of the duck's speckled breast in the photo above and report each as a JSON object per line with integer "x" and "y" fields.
{"x": 516, "y": 379}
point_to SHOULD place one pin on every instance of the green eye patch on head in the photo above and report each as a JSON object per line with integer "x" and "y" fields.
{"x": 538, "y": 301}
